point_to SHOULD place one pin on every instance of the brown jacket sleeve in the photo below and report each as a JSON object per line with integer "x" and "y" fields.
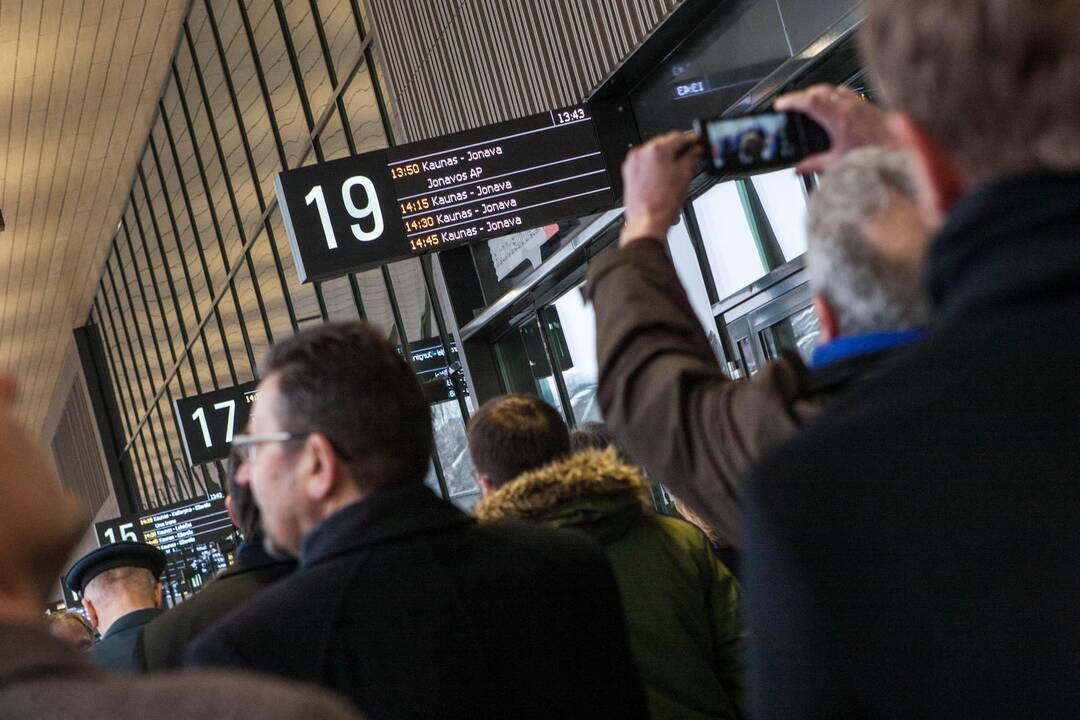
{"x": 664, "y": 396}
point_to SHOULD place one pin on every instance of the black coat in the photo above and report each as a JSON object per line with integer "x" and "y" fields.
{"x": 116, "y": 649}
{"x": 915, "y": 553}
{"x": 408, "y": 607}
{"x": 164, "y": 642}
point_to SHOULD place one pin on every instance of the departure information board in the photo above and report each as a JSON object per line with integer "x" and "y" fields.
{"x": 349, "y": 214}
{"x": 198, "y": 540}
{"x": 435, "y": 375}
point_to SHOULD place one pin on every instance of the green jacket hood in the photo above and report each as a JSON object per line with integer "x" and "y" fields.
{"x": 591, "y": 490}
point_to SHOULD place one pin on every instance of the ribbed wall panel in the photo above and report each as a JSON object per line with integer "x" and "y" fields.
{"x": 77, "y": 451}
{"x": 457, "y": 65}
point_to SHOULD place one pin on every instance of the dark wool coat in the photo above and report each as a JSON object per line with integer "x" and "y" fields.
{"x": 682, "y": 604}
{"x": 116, "y": 649}
{"x": 164, "y": 641}
{"x": 914, "y": 554}
{"x": 411, "y": 609}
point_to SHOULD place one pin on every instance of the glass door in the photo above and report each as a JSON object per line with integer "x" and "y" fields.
{"x": 785, "y": 324}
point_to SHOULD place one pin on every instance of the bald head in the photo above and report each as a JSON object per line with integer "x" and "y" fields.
{"x": 39, "y": 521}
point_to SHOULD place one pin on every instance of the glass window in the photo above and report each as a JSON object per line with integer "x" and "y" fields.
{"x": 575, "y": 323}
{"x": 729, "y": 241}
{"x": 784, "y": 200}
{"x": 689, "y": 271}
{"x": 523, "y": 364}
{"x": 752, "y": 226}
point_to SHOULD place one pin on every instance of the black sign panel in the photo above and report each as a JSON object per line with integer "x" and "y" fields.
{"x": 197, "y": 538}
{"x": 209, "y": 421}
{"x": 435, "y": 374}
{"x": 349, "y": 214}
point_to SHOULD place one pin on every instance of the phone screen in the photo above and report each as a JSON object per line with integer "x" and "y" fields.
{"x": 756, "y": 142}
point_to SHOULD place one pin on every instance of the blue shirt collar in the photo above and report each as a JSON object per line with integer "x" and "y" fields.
{"x": 855, "y": 345}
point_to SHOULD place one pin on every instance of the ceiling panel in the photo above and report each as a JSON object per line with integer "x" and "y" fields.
{"x": 79, "y": 82}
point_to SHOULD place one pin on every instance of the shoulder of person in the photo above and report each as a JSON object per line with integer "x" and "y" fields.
{"x": 523, "y": 535}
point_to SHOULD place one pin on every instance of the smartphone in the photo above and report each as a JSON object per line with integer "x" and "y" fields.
{"x": 764, "y": 141}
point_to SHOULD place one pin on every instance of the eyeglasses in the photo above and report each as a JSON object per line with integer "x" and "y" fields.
{"x": 244, "y": 445}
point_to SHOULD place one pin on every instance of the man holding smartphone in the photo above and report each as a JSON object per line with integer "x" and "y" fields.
{"x": 661, "y": 390}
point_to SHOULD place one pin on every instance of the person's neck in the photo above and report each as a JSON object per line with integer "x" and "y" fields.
{"x": 341, "y": 500}
{"x": 112, "y": 612}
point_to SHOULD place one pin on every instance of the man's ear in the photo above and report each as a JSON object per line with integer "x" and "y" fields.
{"x": 486, "y": 488}
{"x": 159, "y": 600}
{"x": 938, "y": 183}
{"x": 91, "y": 612}
{"x": 232, "y": 513}
{"x": 830, "y": 324}
{"x": 319, "y": 467}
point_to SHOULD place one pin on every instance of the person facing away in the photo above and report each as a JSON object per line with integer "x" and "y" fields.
{"x": 914, "y": 553}
{"x": 121, "y": 593}
{"x": 682, "y": 604}
{"x": 164, "y": 641}
{"x": 46, "y": 679}
{"x": 402, "y": 602}
{"x": 71, "y": 627}
{"x": 658, "y": 376}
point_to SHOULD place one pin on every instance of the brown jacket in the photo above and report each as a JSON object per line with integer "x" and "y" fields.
{"x": 664, "y": 397}
{"x": 43, "y": 679}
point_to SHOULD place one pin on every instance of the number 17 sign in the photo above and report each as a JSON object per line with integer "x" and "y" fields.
{"x": 209, "y": 421}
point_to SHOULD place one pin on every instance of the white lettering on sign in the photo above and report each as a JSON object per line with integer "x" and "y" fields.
{"x": 485, "y": 153}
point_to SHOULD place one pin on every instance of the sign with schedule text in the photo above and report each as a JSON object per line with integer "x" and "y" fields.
{"x": 357, "y": 212}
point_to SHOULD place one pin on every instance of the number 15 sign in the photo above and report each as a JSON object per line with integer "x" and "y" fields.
{"x": 209, "y": 421}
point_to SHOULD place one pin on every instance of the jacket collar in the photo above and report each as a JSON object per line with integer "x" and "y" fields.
{"x": 388, "y": 515}
{"x": 588, "y": 474}
{"x": 852, "y": 346}
{"x": 1011, "y": 238}
{"x": 133, "y": 619}
{"x": 29, "y": 652}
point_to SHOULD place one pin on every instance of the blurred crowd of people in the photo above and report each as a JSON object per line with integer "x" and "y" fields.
{"x": 887, "y": 530}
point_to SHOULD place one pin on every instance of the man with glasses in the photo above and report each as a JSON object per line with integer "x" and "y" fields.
{"x": 401, "y": 601}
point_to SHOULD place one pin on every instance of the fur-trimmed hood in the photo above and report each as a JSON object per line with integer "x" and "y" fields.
{"x": 591, "y": 489}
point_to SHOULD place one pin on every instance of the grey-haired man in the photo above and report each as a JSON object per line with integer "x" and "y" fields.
{"x": 658, "y": 375}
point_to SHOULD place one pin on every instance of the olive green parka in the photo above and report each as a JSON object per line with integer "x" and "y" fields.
{"x": 681, "y": 602}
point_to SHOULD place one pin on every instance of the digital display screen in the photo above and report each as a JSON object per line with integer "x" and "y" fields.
{"x": 350, "y": 214}
{"x": 209, "y": 421}
{"x": 435, "y": 375}
{"x": 197, "y": 538}
{"x": 748, "y": 142}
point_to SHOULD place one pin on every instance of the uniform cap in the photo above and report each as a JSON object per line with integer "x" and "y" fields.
{"x": 121, "y": 554}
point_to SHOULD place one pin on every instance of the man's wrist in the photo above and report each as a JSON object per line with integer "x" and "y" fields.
{"x": 643, "y": 229}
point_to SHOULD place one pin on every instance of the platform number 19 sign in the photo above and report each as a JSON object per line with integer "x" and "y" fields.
{"x": 370, "y": 209}
{"x": 341, "y": 215}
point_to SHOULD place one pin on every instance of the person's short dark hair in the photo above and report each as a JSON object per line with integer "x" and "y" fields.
{"x": 243, "y": 501}
{"x": 347, "y": 382}
{"x": 513, "y": 434}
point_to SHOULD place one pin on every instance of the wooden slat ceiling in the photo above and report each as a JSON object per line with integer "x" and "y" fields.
{"x": 79, "y": 81}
